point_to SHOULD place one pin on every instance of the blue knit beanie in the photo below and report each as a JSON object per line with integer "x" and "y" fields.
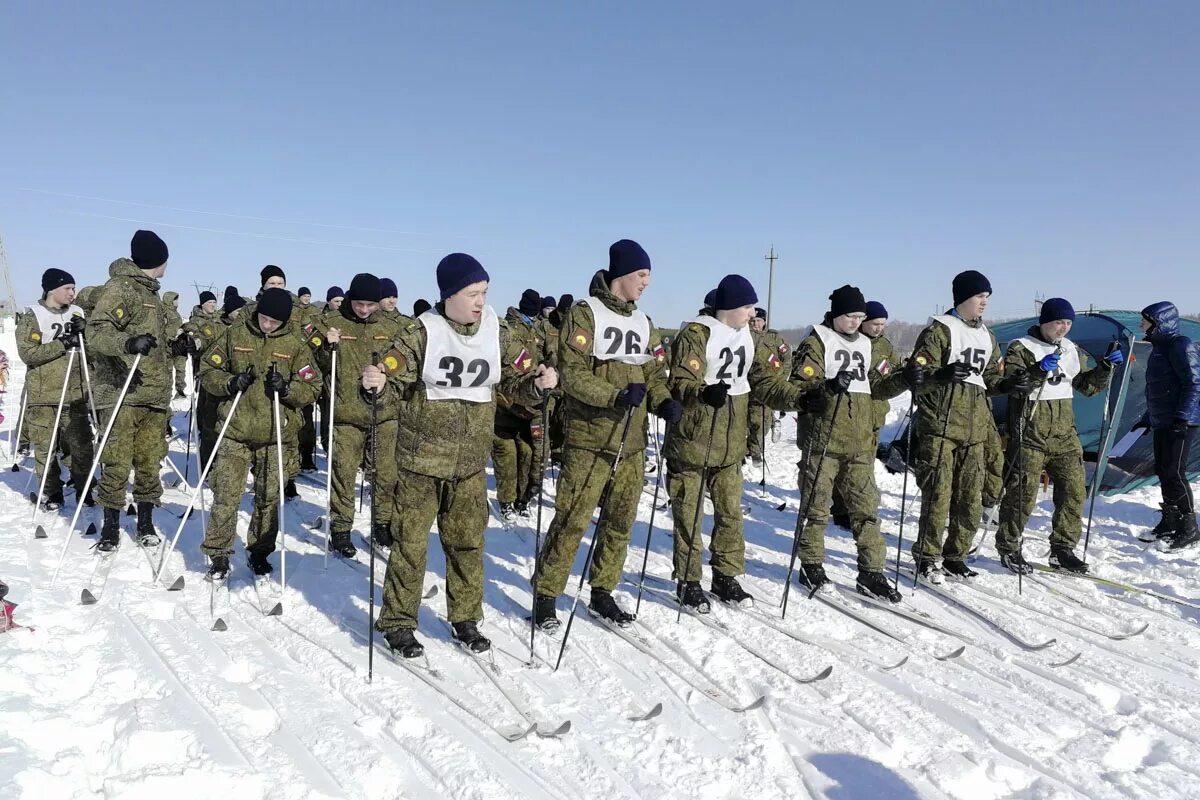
{"x": 457, "y": 271}
{"x": 626, "y": 256}
{"x": 875, "y": 310}
{"x": 387, "y": 288}
{"x": 334, "y": 291}
{"x": 1056, "y": 308}
{"x": 734, "y": 291}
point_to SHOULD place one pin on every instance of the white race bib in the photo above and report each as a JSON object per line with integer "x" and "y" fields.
{"x": 459, "y": 367}
{"x": 617, "y": 337}
{"x": 52, "y": 323}
{"x": 728, "y": 356}
{"x": 1058, "y": 385}
{"x": 971, "y": 346}
{"x": 846, "y": 355}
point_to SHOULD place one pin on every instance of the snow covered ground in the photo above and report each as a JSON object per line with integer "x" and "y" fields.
{"x": 136, "y": 697}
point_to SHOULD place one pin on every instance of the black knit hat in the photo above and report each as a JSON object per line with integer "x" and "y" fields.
{"x": 457, "y": 271}
{"x": 420, "y": 306}
{"x": 233, "y": 301}
{"x": 732, "y": 292}
{"x": 304, "y": 290}
{"x": 761, "y": 313}
{"x": 147, "y": 250}
{"x": 564, "y": 303}
{"x": 364, "y": 287}
{"x": 968, "y": 284}
{"x": 276, "y": 304}
{"x": 54, "y": 278}
{"x": 549, "y": 302}
{"x": 334, "y": 291}
{"x": 206, "y": 296}
{"x": 270, "y": 271}
{"x": 847, "y": 300}
{"x": 531, "y": 303}
{"x": 626, "y": 256}
{"x": 387, "y": 288}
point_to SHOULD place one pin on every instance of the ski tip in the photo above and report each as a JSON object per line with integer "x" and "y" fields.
{"x": 15, "y": 468}
{"x": 756, "y": 703}
{"x": 514, "y": 734}
{"x": 39, "y": 532}
{"x": 131, "y": 511}
{"x": 1044, "y": 645}
{"x": 822, "y": 675}
{"x": 176, "y": 585}
{"x": 220, "y": 625}
{"x": 651, "y": 714}
{"x": 903, "y": 660}
{"x": 561, "y": 730}
{"x": 951, "y": 654}
{"x": 276, "y": 610}
{"x": 87, "y": 598}
{"x": 91, "y": 529}
{"x": 432, "y": 593}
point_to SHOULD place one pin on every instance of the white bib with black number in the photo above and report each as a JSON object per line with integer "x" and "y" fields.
{"x": 728, "y": 356}
{"x": 617, "y": 337}
{"x": 459, "y": 367}
{"x": 1058, "y": 384}
{"x": 846, "y": 355}
{"x": 52, "y": 323}
{"x": 972, "y": 346}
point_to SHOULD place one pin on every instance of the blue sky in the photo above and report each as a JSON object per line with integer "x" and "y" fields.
{"x": 888, "y": 145}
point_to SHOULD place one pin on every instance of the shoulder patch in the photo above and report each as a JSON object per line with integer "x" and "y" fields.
{"x": 808, "y": 371}
{"x": 580, "y": 339}
{"x": 315, "y": 341}
{"x": 35, "y": 336}
{"x": 884, "y": 367}
{"x": 694, "y": 364}
{"x": 922, "y": 359}
{"x": 306, "y": 373}
{"x": 783, "y": 348}
{"x": 523, "y": 362}
{"x": 392, "y": 362}
{"x": 216, "y": 358}
{"x": 119, "y": 312}
{"x": 774, "y": 361}
{"x": 659, "y": 352}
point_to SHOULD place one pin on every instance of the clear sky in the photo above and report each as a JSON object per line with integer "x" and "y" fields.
{"x": 1051, "y": 145}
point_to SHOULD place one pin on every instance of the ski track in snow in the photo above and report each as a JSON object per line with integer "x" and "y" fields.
{"x": 136, "y": 697}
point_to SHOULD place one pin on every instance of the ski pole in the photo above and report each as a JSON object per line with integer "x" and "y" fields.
{"x": 653, "y": 510}
{"x": 936, "y": 468}
{"x": 904, "y": 488}
{"x": 87, "y": 484}
{"x": 14, "y": 443}
{"x": 698, "y": 517}
{"x": 93, "y": 417}
{"x": 212, "y": 458}
{"x": 802, "y": 513}
{"x": 187, "y": 462}
{"x": 51, "y": 457}
{"x": 281, "y": 498}
{"x": 374, "y": 501}
{"x": 762, "y": 484}
{"x": 587, "y": 561}
{"x": 537, "y": 542}
{"x": 329, "y": 451}
{"x": 1106, "y": 423}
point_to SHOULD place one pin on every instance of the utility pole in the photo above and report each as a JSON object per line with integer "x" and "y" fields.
{"x": 9, "y": 295}
{"x": 770, "y": 258}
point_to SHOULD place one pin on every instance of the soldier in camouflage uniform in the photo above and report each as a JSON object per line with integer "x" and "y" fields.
{"x": 333, "y": 301}
{"x": 444, "y": 372}
{"x": 128, "y": 320}
{"x": 360, "y": 332}
{"x": 611, "y": 360}
{"x": 960, "y": 360}
{"x": 1046, "y": 369}
{"x": 716, "y": 363}
{"x": 325, "y": 317}
{"x": 760, "y": 418}
{"x": 516, "y": 451}
{"x": 260, "y": 356}
{"x": 45, "y": 334}
{"x": 552, "y": 328}
{"x": 839, "y": 362}
{"x": 387, "y": 306}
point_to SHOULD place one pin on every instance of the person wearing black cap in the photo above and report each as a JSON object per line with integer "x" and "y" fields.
{"x": 612, "y": 360}
{"x": 173, "y": 326}
{"x": 836, "y": 361}
{"x": 420, "y": 306}
{"x": 444, "y": 373}
{"x": 360, "y": 331}
{"x": 128, "y": 321}
{"x": 46, "y": 332}
{"x": 761, "y": 418}
{"x": 960, "y": 365}
{"x": 202, "y": 325}
{"x": 715, "y": 366}
{"x": 261, "y": 357}
{"x": 518, "y": 441}
{"x": 1043, "y": 370}
{"x": 391, "y": 296}
{"x": 333, "y": 301}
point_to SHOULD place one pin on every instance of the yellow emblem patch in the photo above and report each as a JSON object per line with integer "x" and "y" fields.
{"x": 808, "y": 371}
{"x": 922, "y": 360}
{"x": 120, "y": 312}
{"x": 216, "y": 358}
{"x": 390, "y": 363}
{"x": 694, "y": 364}
{"x": 37, "y": 337}
{"x": 315, "y": 341}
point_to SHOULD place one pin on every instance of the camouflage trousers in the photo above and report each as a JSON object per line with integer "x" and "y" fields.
{"x": 179, "y": 364}
{"x": 352, "y": 449}
{"x": 950, "y": 476}
{"x": 758, "y": 425}
{"x": 228, "y": 482}
{"x": 137, "y": 443}
{"x": 727, "y": 547}
{"x": 993, "y": 460}
{"x": 460, "y": 509}
{"x": 584, "y": 474}
{"x": 854, "y": 476}
{"x": 838, "y": 509}
{"x": 73, "y": 444}
{"x": 208, "y": 424}
{"x": 1065, "y": 469}
{"x": 517, "y": 461}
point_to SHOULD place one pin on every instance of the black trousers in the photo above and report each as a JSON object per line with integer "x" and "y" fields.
{"x": 1170, "y": 465}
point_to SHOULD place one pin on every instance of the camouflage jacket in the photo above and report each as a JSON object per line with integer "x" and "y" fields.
{"x": 126, "y": 306}
{"x": 172, "y": 322}
{"x": 359, "y": 340}
{"x": 203, "y": 328}
{"x": 46, "y": 360}
{"x": 513, "y": 411}
{"x": 883, "y": 353}
{"x": 962, "y": 410}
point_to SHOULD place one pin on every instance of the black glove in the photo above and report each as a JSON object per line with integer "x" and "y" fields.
{"x": 69, "y": 337}
{"x": 141, "y": 344}
{"x": 1019, "y": 383}
{"x": 671, "y": 411}
{"x": 814, "y": 402}
{"x": 241, "y": 382}
{"x": 276, "y": 382}
{"x": 957, "y": 372}
{"x": 914, "y": 376}
{"x": 715, "y": 394}
{"x": 840, "y": 382}
{"x": 182, "y": 345}
{"x": 631, "y": 396}
{"x": 1179, "y": 428}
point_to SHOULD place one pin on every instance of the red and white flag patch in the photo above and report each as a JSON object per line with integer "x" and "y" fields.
{"x": 524, "y": 361}
{"x": 306, "y": 373}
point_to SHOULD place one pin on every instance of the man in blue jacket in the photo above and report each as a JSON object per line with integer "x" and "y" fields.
{"x": 1172, "y": 414}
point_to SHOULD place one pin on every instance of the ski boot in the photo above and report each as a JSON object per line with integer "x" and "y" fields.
{"x": 813, "y": 578}
{"x": 339, "y": 542}
{"x": 53, "y": 502}
{"x": 876, "y": 584}
{"x": 467, "y": 634}
{"x": 146, "y": 535}
{"x": 726, "y": 589}
{"x": 1168, "y": 525}
{"x": 958, "y": 569}
{"x": 1064, "y": 558}
{"x": 289, "y": 490}
{"x": 544, "y": 615}
{"x": 521, "y": 509}
{"x": 1015, "y": 562}
{"x": 257, "y": 560}
{"x": 603, "y": 605}
{"x": 508, "y": 514}
{"x": 691, "y": 595}
{"x": 381, "y": 534}
{"x": 1187, "y": 536}
{"x": 308, "y": 465}
{"x": 218, "y": 567}
{"x": 110, "y": 534}
{"x": 929, "y": 571}
{"x": 404, "y": 642}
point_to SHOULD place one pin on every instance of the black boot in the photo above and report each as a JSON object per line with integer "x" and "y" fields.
{"x": 1168, "y": 524}
{"x": 728, "y": 590}
{"x": 404, "y": 642}
{"x": 544, "y": 615}
{"x": 959, "y": 569}
{"x": 218, "y": 567}
{"x": 1015, "y": 562}
{"x": 289, "y": 490}
{"x": 1187, "y": 536}
{"x": 381, "y": 534}
{"x": 468, "y": 635}
{"x": 691, "y": 595}
{"x": 929, "y": 571}
{"x": 146, "y": 535}
{"x": 508, "y": 514}
{"x": 812, "y": 577}
{"x": 603, "y": 605}
{"x": 875, "y": 584}
{"x": 339, "y": 542}
{"x": 521, "y": 508}
{"x": 1065, "y": 558}
{"x": 257, "y": 559}
{"x": 53, "y": 501}
{"x": 110, "y": 534}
